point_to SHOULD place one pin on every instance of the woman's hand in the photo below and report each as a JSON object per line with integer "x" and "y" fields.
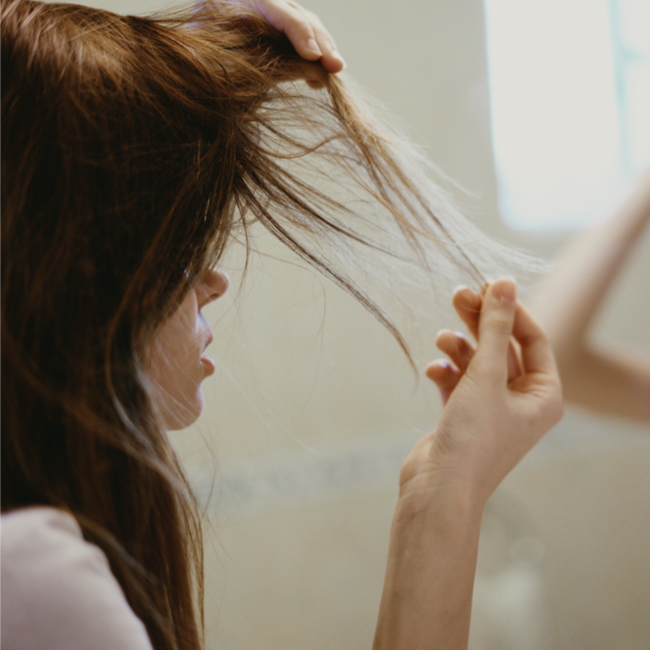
{"x": 303, "y": 28}
{"x": 502, "y": 395}
{"x": 460, "y": 351}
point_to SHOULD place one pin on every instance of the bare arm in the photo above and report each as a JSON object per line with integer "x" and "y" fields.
{"x": 490, "y": 421}
{"x": 609, "y": 379}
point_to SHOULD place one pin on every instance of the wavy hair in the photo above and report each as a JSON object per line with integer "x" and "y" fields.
{"x": 133, "y": 151}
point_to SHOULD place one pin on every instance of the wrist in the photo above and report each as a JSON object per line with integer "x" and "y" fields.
{"x": 451, "y": 507}
{"x": 427, "y": 594}
{"x": 444, "y": 485}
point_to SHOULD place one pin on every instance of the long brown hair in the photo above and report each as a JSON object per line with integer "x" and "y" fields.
{"x": 133, "y": 150}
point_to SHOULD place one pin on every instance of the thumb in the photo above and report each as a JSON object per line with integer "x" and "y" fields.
{"x": 495, "y": 326}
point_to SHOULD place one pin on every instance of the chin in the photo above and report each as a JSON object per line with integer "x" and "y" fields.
{"x": 183, "y": 415}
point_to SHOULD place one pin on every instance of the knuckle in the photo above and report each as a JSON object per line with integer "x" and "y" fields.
{"x": 533, "y": 338}
{"x": 318, "y": 25}
{"x": 464, "y": 347}
{"x": 303, "y": 25}
{"x": 500, "y": 323}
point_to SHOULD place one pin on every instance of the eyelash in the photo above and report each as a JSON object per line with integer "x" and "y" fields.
{"x": 190, "y": 279}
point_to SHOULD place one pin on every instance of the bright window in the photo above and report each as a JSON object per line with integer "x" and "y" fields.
{"x": 570, "y": 98}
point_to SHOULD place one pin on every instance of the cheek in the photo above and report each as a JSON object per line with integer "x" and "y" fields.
{"x": 170, "y": 349}
{"x": 176, "y": 372}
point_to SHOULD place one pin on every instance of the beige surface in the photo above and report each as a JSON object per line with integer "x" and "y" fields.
{"x": 302, "y": 565}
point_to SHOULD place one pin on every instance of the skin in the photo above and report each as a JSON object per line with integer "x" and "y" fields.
{"x": 303, "y": 28}
{"x": 177, "y": 362}
{"x": 503, "y": 394}
{"x": 446, "y": 374}
{"x": 611, "y": 379}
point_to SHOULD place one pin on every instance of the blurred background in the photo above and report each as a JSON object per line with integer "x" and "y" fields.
{"x": 314, "y": 407}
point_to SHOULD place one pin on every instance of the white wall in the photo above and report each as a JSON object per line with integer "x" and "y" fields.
{"x": 314, "y": 407}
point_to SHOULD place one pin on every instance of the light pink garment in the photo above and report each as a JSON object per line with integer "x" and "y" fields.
{"x": 58, "y": 592}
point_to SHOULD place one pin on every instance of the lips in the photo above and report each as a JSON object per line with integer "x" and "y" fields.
{"x": 208, "y": 364}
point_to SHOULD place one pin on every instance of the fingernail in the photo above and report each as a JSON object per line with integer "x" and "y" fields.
{"x": 505, "y": 291}
{"x": 460, "y": 287}
{"x": 336, "y": 54}
{"x": 312, "y": 46}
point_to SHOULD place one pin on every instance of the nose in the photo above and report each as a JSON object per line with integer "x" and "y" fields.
{"x": 213, "y": 285}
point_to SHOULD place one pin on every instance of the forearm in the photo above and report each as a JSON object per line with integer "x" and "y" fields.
{"x": 488, "y": 424}
{"x": 567, "y": 301}
{"x": 610, "y": 381}
{"x": 427, "y": 597}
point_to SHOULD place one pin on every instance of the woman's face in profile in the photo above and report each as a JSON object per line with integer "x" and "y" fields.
{"x": 178, "y": 365}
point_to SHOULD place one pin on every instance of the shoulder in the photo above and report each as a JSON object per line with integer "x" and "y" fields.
{"x": 58, "y": 590}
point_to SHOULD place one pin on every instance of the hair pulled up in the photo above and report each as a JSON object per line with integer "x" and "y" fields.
{"x": 133, "y": 150}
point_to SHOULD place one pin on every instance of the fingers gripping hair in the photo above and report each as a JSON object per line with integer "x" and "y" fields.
{"x": 495, "y": 328}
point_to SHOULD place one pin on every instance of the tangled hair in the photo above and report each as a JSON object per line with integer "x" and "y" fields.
{"x": 133, "y": 151}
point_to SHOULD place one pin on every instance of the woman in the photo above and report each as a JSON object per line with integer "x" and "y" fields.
{"x": 134, "y": 151}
